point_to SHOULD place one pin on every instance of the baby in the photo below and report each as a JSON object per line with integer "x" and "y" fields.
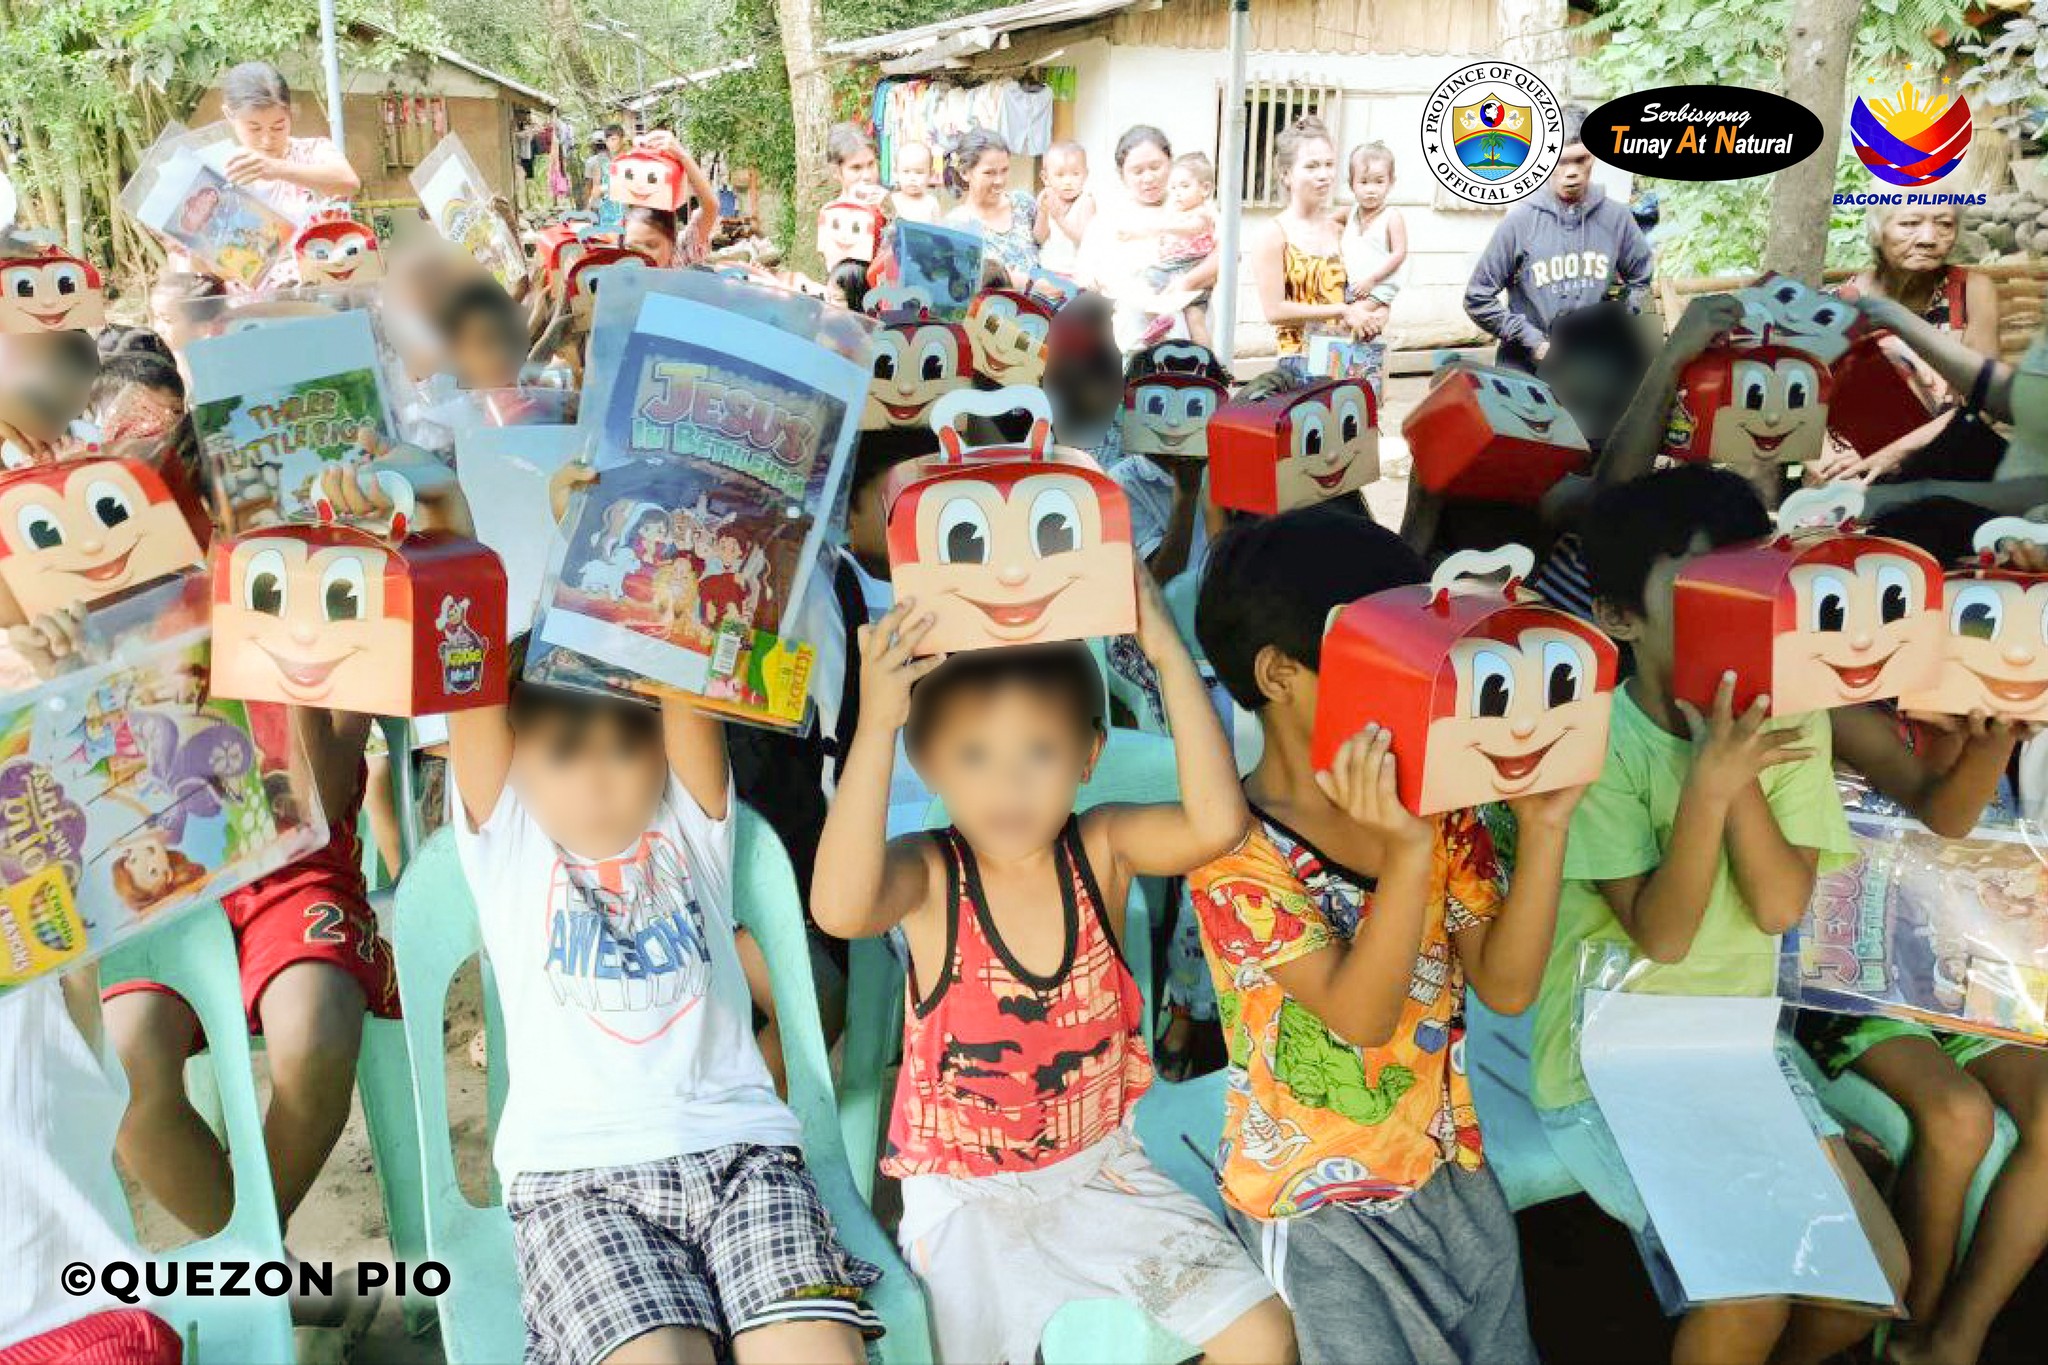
{"x": 913, "y": 199}
{"x": 1187, "y": 237}
{"x": 1065, "y": 208}
{"x": 1375, "y": 241}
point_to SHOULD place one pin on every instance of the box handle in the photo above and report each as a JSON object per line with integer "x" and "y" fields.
{"x": 1518, "y": 560}
{"x": 948, "y": 410}
{"x": 1985, "y": 542}
{"x": 1830, "y": 507}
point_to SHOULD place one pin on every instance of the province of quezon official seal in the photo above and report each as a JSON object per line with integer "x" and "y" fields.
{"x": 1492, "y": 132}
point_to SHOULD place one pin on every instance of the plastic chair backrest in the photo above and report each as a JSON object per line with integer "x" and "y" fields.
{"x": 194, "y": 955}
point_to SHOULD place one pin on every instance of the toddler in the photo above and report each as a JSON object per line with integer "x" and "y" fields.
{"x": 1065, "y": 208}
{"x": 913, "y": 199}
{"x": 1186, "y": 239}
{"x": 1023, "y": 1055}
{"x": 1375, "y": 242}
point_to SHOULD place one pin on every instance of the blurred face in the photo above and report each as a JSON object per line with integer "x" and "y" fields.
{"x": 1008, "y": 761}
{"x": 1918, "y": 238}
{"x": 41, "y": 389}
{"x": 1067, "y": 174}
{"x": 1371, "y": 184}
{"x": 266, "y": 129}
{"x": 1574, "y": 172}
{"x": 651, "y": 242}
{"x": 482, "y": 356}
{"x": 1185, "y": 191}
{"x": 860, "y": 168}
{"x": 985, "y": 182}
{"x": 615, "y": 143}
{"x": 1314, "y": 174}
{"x": 914, "y": 170}
{"x": 1145, "y": 171}
{"x": 593, "y": 790}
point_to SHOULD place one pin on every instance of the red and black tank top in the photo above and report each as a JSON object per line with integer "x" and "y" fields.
{"x": 1005, "y": 1070}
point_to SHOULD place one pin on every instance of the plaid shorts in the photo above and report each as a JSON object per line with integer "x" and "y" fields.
{"x": 722, "y": 1241}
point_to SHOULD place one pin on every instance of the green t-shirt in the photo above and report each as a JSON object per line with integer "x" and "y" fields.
{"x": 1621, "y": 829}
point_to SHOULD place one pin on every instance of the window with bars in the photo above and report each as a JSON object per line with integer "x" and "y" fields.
{"x": 1268, "y": 109}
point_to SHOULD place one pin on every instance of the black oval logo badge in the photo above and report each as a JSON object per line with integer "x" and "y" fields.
{"x": 1702, "y": 132}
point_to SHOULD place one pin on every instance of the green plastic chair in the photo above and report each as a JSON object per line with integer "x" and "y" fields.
{"x": 194, "y": 955}
{"x": 437, "y": 931}
{"x": 1497, "y": 1062}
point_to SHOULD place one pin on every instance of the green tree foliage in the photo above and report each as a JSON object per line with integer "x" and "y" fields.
{"x": 1718, "y": 229}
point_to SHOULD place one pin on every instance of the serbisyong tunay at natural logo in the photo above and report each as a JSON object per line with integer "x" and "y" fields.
{"x": 1702, "y": 132}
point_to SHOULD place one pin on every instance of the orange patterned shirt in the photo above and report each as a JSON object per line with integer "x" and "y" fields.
{"x": 1310, "y": 1119}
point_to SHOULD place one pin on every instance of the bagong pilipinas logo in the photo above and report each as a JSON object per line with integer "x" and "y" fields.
{"x": 1911, "y": 139}
{"x": 1492, "y": 132}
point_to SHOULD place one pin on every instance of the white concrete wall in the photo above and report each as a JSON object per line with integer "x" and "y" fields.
{"x": 1179, "y": 91}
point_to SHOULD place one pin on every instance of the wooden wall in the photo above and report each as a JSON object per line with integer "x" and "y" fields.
{"x": 1377, "y": 26}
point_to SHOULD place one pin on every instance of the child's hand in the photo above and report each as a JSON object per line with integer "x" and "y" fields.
{"x": 354, "y": 491}
{"x": 1547, "y": 810}
{"x": 1362, "y": 782}
{"x": 1705, "y": 320}
{"x": 564, "y": 483}
{"x": 1730, "y": 751}
{"x": 1158, "y": 637}
{"x": 887, "y": 669}
{"x": 49, "y": 639}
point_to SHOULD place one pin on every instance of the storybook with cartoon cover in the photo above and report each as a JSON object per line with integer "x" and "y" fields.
{"x": 721, "y": 447}
{"x": 180, "y": 194}
{"x": 275, "y": 405}
{"x": 457, "y": 199}
{"x": 1952, "y": 933}
{"x": 126, "y": 795}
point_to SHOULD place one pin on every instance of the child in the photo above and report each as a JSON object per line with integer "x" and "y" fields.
{"x": 1340, "y": 934}
{"x": 1023, "y": 1186}
{"x": 1375, "y": 235}
{"x": 914, "y": 199}
{"x": 1065, "y": 208}
{"x": 1697, "y": 848}
{"x": 45, "y": 384}
{"x": 483, "y": 336}
{"x": 1186, "y": 239}
{"x": 138, "y": 396}
{"x": 657, "y": 1193}
{"x": 851, "y": 155}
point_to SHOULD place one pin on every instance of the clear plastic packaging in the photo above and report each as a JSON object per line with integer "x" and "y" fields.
{"x": 180, "y": 193}
{"x": 128, "y": 796}
{"x": 457, "y": 200}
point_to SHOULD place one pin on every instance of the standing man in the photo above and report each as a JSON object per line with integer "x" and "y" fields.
{"x": 1567, "y": 246}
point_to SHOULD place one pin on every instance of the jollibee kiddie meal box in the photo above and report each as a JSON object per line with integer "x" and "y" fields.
{"x": 916, "y": 364}
{"x": 333, "y": 248}
{"x": 848, "y": 231}
{"x": 49, "y": 291}
{"x": 74, "y": 533}
{"x": 589, "y": 269}
{"x": 407, "y": 623}
{"x": 1876, "y": 396}
{"x": 1816, "y": 616}
{"x": 1293, "y": 449}
{"x": 1490, "y": 694}
{"x": 1010, "y": 544}
{"x": 1995, "y": 649}
{"x": 1492, "y": 435}
{"x": 1779, "y": 310}
{"x": 1169, "y": 414}
{"x": 648, "y": 177}
{"x": 1749, "y": 405}
{"x": 1008, "y": 332}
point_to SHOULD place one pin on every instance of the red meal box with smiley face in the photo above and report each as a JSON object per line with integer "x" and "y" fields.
{"x": 1779, "y": 310}
{"x": 584, "y": 275}
{"x": 649, "y": 177}
{"x": 1817, "y": 616}
{"x": 334, "y": 248}
{"x": 51, "y": 291}
{"x": 1876, "y": 396}
{"x": 1489, "y": 693}
{"x": 1010, "y": 545}
{"x": 849, "y": 232}
{"x": 1293, "y": 449}
{"x": 1492, "y": 435}
{"x": 1008, "y": 332}
{"x": 74, "y": 533}
{"x": 1168, "y": 414}
{"x": 1743, "y": 406}
{"x": 404, "y": 624}
{"x": 1995, "y": 652}
{"x": 916, "y": 364}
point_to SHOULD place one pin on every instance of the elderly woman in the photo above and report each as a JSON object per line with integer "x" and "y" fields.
{"x": 1007, "y": 219}
{"x": 1910, "y": 245}
{"x": 1122, "y": 242}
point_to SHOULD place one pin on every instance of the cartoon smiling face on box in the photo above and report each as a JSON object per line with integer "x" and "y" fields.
{"x": 1294, "y": 449}
{"x": 587, "y": 273}
{"x": 52, "y": 291}
{"x": 916, "y": 364}
{"x": 335, "y": 249}
{"x": 1995, "y": 657}
{"x": 75, "y": 533}
{"x": 643, "y": 177}
{"x": 1010, "y": 545}
{"x": 1490, "y": 694}
{"x": 1168, "y": 415}
{"x": 1008, "y": 332}
{"x": 1493, "y": 435}
{"x": 1749, "y": 406}
{"x": 1779, "y": 310}
{"x": 849, "y": 232}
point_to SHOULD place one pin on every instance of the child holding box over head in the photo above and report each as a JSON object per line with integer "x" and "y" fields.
{"x": 1696, "y": 849}
{"x": 659, "y": 1200}
{"x": 1341, "y": 933}
{"x": 1023, "y": 1184}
